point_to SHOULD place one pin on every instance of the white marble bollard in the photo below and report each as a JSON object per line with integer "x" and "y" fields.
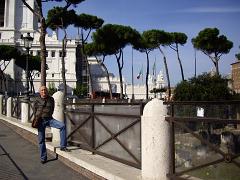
{"x": 1, "y": 101}
{"x": 9, "y": 107}
{"x": 57, "y": 114}
{"x": 74, "y": 101}
{"x": 156, "y": 147}
{"x": 24, "y": 112}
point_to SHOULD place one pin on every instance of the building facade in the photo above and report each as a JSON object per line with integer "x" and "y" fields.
{"x": 236, "y": 76}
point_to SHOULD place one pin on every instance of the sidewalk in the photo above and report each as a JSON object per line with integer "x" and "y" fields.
{"x": 92, "y": 166}
{"x": 19, "y": 159}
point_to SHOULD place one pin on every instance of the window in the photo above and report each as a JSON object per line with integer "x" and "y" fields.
{"x": 60, "y": 54}
{"x": 38, "y": 53}
{"x": 53, "y": 53}
{"x": 31, "y": 52}
{"x": 52, "y": 75}
{"x": 46, "y": 53}
{"x": 2, "y": 9}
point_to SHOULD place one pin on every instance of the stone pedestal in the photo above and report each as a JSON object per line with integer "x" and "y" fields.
{"x": 156, "y": 156}
{"x": 57, "y": 114}
{"x": 9, "y": 107}
{"x": 24, "y": 112}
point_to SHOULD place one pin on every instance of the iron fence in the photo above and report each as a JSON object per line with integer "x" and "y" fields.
{"x": 205, "y": 139}
{"x": 112, "y": 130}
{"x": 16, "y": 107}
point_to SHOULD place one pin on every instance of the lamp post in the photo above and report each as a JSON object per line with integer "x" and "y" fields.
{"x": 132, "y": 78}
{"x": 27, "y": 44}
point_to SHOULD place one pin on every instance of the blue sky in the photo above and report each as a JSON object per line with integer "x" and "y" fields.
{"x": 187, "y": 16}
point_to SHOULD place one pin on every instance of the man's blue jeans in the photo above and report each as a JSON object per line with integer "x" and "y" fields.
{"x": 41, "y": 135}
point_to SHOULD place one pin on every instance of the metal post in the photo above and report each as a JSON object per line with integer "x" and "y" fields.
{"x": 27, "y": 78}
{"x": 93, "y": 128}
{"x": 132, "y": 78}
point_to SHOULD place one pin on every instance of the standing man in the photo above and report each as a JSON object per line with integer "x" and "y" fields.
{"x": 44, "y": 107}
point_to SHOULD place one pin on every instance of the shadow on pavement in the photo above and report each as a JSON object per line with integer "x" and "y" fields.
{"x": 12, "y": 163}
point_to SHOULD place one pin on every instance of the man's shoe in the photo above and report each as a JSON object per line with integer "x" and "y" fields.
{"x": 65, "y": 149}
{"x": 43, "y": 161}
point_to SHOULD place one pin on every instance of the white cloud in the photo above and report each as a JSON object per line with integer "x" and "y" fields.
{"x": 211, "y": 10}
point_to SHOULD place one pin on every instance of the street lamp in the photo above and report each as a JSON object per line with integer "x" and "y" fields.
{"x": 27, "y": 44}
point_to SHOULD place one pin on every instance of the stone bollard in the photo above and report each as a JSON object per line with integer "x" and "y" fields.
{"x": 57, "y": 114}
{"x": 9, "y": 107}
{"x": 24, "y": 111}
{"x": 74, "y": 101}
{"x": 103, "y": 100}
{"x": 156, "y": 147}
{"x": 1, "y": 103}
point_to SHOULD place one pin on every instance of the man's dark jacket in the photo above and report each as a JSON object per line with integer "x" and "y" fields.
{"x": 44, "y": 106}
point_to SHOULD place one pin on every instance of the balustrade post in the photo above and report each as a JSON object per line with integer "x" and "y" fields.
{"x": 58, "y": 114}
{"x": 25, "y": 111}
{"x": 156, "y": 147}
{"x": 9, "y": 107}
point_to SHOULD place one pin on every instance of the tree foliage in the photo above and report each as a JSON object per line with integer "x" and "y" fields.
{"x": 34, "y": 62}
{"x": 212, "y": 44}
{"x": 8, "y": 52}
{"x": 61, "y": 18}
{"x": 37, "y": 10}
{"x": 115, "y": 38}
{"x": 88, "y": 22}
{"x": 146, "y": 43}
{"x": 80, "y": 90}
{"x": 178, "y": 39}
{"x": 51, "y": 89}
{"x": 204, "y": 87}
{"x": 58, "y": 17}
{"x": 97, "y": 50}
{"x": 156, "y": 39}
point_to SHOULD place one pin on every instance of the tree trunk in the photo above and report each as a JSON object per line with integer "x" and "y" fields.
{"x": 180, "y": 63}
{"x": 64, "y": 44}
{"x": 120, "y": 74}
{"x": 216, "y": 65}
{"x": 43, "y": 51}
{"x": 147, "y": 75}
{"x": 167, "y": 74}
{"x": 88, "y": 66}
{"x": 89, "y": 74}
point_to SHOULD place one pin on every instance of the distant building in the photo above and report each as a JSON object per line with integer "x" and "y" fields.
{"x": 100, "y": 84}
{"x": 236, "y": 76}
{"x": 140, "y": 90}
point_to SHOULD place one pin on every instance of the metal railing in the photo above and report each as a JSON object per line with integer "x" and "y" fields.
{"x": 205, "y": 146}
{"x": 112, "y": 130}
{"x": 16, "y": 107}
